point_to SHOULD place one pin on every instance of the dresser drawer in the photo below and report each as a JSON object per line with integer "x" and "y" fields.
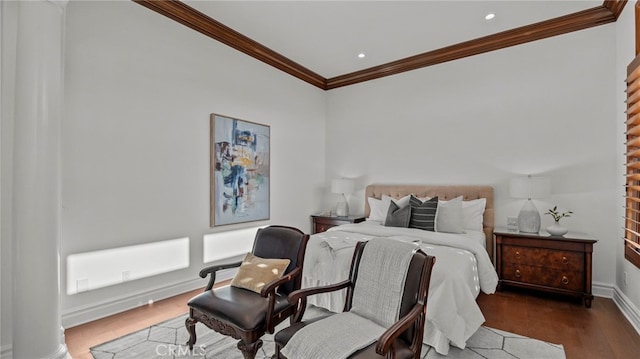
{"x": 569, "y": 280}
{"x": 543, "y": 257}
{"x": 539, "y": 262}
{"x": 322, "y": 227}
{"x": 320, "y": 223}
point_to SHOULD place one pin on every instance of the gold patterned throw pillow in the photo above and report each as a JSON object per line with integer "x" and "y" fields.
{"x": 256, "y": 272}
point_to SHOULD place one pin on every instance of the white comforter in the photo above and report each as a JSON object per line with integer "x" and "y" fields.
{"x": 462, "y": 269}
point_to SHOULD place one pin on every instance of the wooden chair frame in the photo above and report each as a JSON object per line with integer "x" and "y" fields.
{"x": 249, "y": 338}
{"x": 414, "y": 319}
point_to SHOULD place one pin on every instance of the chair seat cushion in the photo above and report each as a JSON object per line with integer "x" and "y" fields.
{"x": 402, "y": 349}
{"x": 241, "y": 307}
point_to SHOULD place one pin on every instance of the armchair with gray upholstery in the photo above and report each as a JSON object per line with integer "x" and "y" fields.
{"x": 402, "y": 339}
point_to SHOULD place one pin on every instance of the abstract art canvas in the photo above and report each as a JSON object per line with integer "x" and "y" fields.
{"x": 239, "y": 171}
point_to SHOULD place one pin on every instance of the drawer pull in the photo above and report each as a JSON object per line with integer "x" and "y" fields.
{"x": 565, "y": 280}
{"x": 517, "y": 254}
{"x": 518, "y": 275}
{"x": 564, "y": 260}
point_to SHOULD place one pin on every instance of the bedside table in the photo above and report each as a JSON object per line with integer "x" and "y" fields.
{"x": 320, "y": 223}
{"x": 546, "y": 263}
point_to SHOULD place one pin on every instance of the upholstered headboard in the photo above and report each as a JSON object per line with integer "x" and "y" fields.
{"x": 444, "y": 193}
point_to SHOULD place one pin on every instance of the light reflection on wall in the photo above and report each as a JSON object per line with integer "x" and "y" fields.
{"x": 228, "y": 244}
{"x": 97, "y": 269}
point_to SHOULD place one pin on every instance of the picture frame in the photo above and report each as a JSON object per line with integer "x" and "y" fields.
{"x": 240, "y": 171}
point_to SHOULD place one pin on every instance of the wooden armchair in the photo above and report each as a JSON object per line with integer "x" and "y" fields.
{"x": 244, "y": 314}
{"x": 403, "y": 339}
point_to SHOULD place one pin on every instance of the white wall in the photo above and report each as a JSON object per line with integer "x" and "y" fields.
{"x": 139, "y": 92}
{"x": 8, "y": 35}
{"x": 625, "y": 45}
{"x": 546, "y": 107}
{"x": 140, "y": 88}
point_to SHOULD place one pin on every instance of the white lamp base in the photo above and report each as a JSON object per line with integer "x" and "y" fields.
{"x": 342, "y": 207}
{"x": 529, "y": 218}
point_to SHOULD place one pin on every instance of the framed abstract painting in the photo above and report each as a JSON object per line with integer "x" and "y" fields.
{"x": 240, "y": 153}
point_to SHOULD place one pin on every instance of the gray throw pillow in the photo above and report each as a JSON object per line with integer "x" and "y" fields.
{"x": 423, "y": 214}
{"x": 398, "y": 217}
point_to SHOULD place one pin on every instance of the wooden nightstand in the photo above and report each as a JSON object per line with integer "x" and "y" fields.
{"x": 320, "y": 223}
{"x": 547, "y": 263}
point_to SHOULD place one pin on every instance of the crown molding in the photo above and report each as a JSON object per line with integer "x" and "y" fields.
{"x": 606, "y": 13}
{"x": 615, "y": 6}
{"x": 205, "y": 25}
{"x": 557, "y": 26}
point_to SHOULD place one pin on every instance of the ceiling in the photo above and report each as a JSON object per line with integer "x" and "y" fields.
{"x": 324, "y": 38}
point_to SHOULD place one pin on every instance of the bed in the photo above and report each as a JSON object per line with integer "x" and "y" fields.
{"x": 464, "y": 260}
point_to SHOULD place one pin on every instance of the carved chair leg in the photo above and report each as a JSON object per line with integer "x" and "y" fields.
{"x": 190, "y": 323}
{"x": 249, "y": 350}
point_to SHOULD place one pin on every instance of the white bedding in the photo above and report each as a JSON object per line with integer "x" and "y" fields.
{"x": 462, "y": 269}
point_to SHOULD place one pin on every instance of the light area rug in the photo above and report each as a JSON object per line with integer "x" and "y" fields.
{"x": 166, "y": 340}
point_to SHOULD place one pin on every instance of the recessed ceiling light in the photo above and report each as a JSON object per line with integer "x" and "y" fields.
{"x": 361, "y": 55}
{"x": 490, "y": 16}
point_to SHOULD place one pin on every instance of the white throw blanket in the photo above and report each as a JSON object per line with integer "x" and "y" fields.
{"x": 347, "y": 332}
{"x": 377, "y": 298}
{"x": 335, "y": 242}
{"x": 463, "y": 269}
{"x": 381, "y": 277}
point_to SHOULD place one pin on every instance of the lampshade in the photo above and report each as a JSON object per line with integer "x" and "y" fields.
{"x": 530, "y": 187}
{"x": 342, "y": 185}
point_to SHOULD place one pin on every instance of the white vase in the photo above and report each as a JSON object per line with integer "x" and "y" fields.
{"x": 557, "y": 230}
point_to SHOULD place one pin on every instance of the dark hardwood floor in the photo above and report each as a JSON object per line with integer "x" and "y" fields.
{"x": 597, "y": 332}
{"x": 82, "y": 337}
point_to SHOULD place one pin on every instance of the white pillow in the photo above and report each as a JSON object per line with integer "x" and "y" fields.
{"x": 378, "y": 209}
{"x": 401, "y": 202}
{"x": 449, "y": 217}
{"x": 472, "y": 212}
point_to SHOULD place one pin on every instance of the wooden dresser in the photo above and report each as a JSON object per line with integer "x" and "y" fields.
{"x": 320, "y": 223}
{"x": 547, "y": 263}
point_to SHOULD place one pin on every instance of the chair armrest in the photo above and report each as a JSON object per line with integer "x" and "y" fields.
{"x": 299, "y": 297}
{"x": 391, "y": 334}
{"x": 271, "y": 286}
{"x": 213, "y": 269}
{"x": 269, "y": 291}
{"x": 303, "y": 293}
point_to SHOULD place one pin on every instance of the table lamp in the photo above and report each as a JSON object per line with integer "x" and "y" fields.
{"x": 342, "y": 186}
{"x": 530, "y": 188}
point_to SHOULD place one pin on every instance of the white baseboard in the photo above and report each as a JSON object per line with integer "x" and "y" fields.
{"x": 605, "y": 290}
{"x": 95, "y": 311}
{"x": 628, "y": 309}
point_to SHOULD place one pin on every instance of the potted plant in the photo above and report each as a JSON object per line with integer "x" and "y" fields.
{"x": 556, "y": 229}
